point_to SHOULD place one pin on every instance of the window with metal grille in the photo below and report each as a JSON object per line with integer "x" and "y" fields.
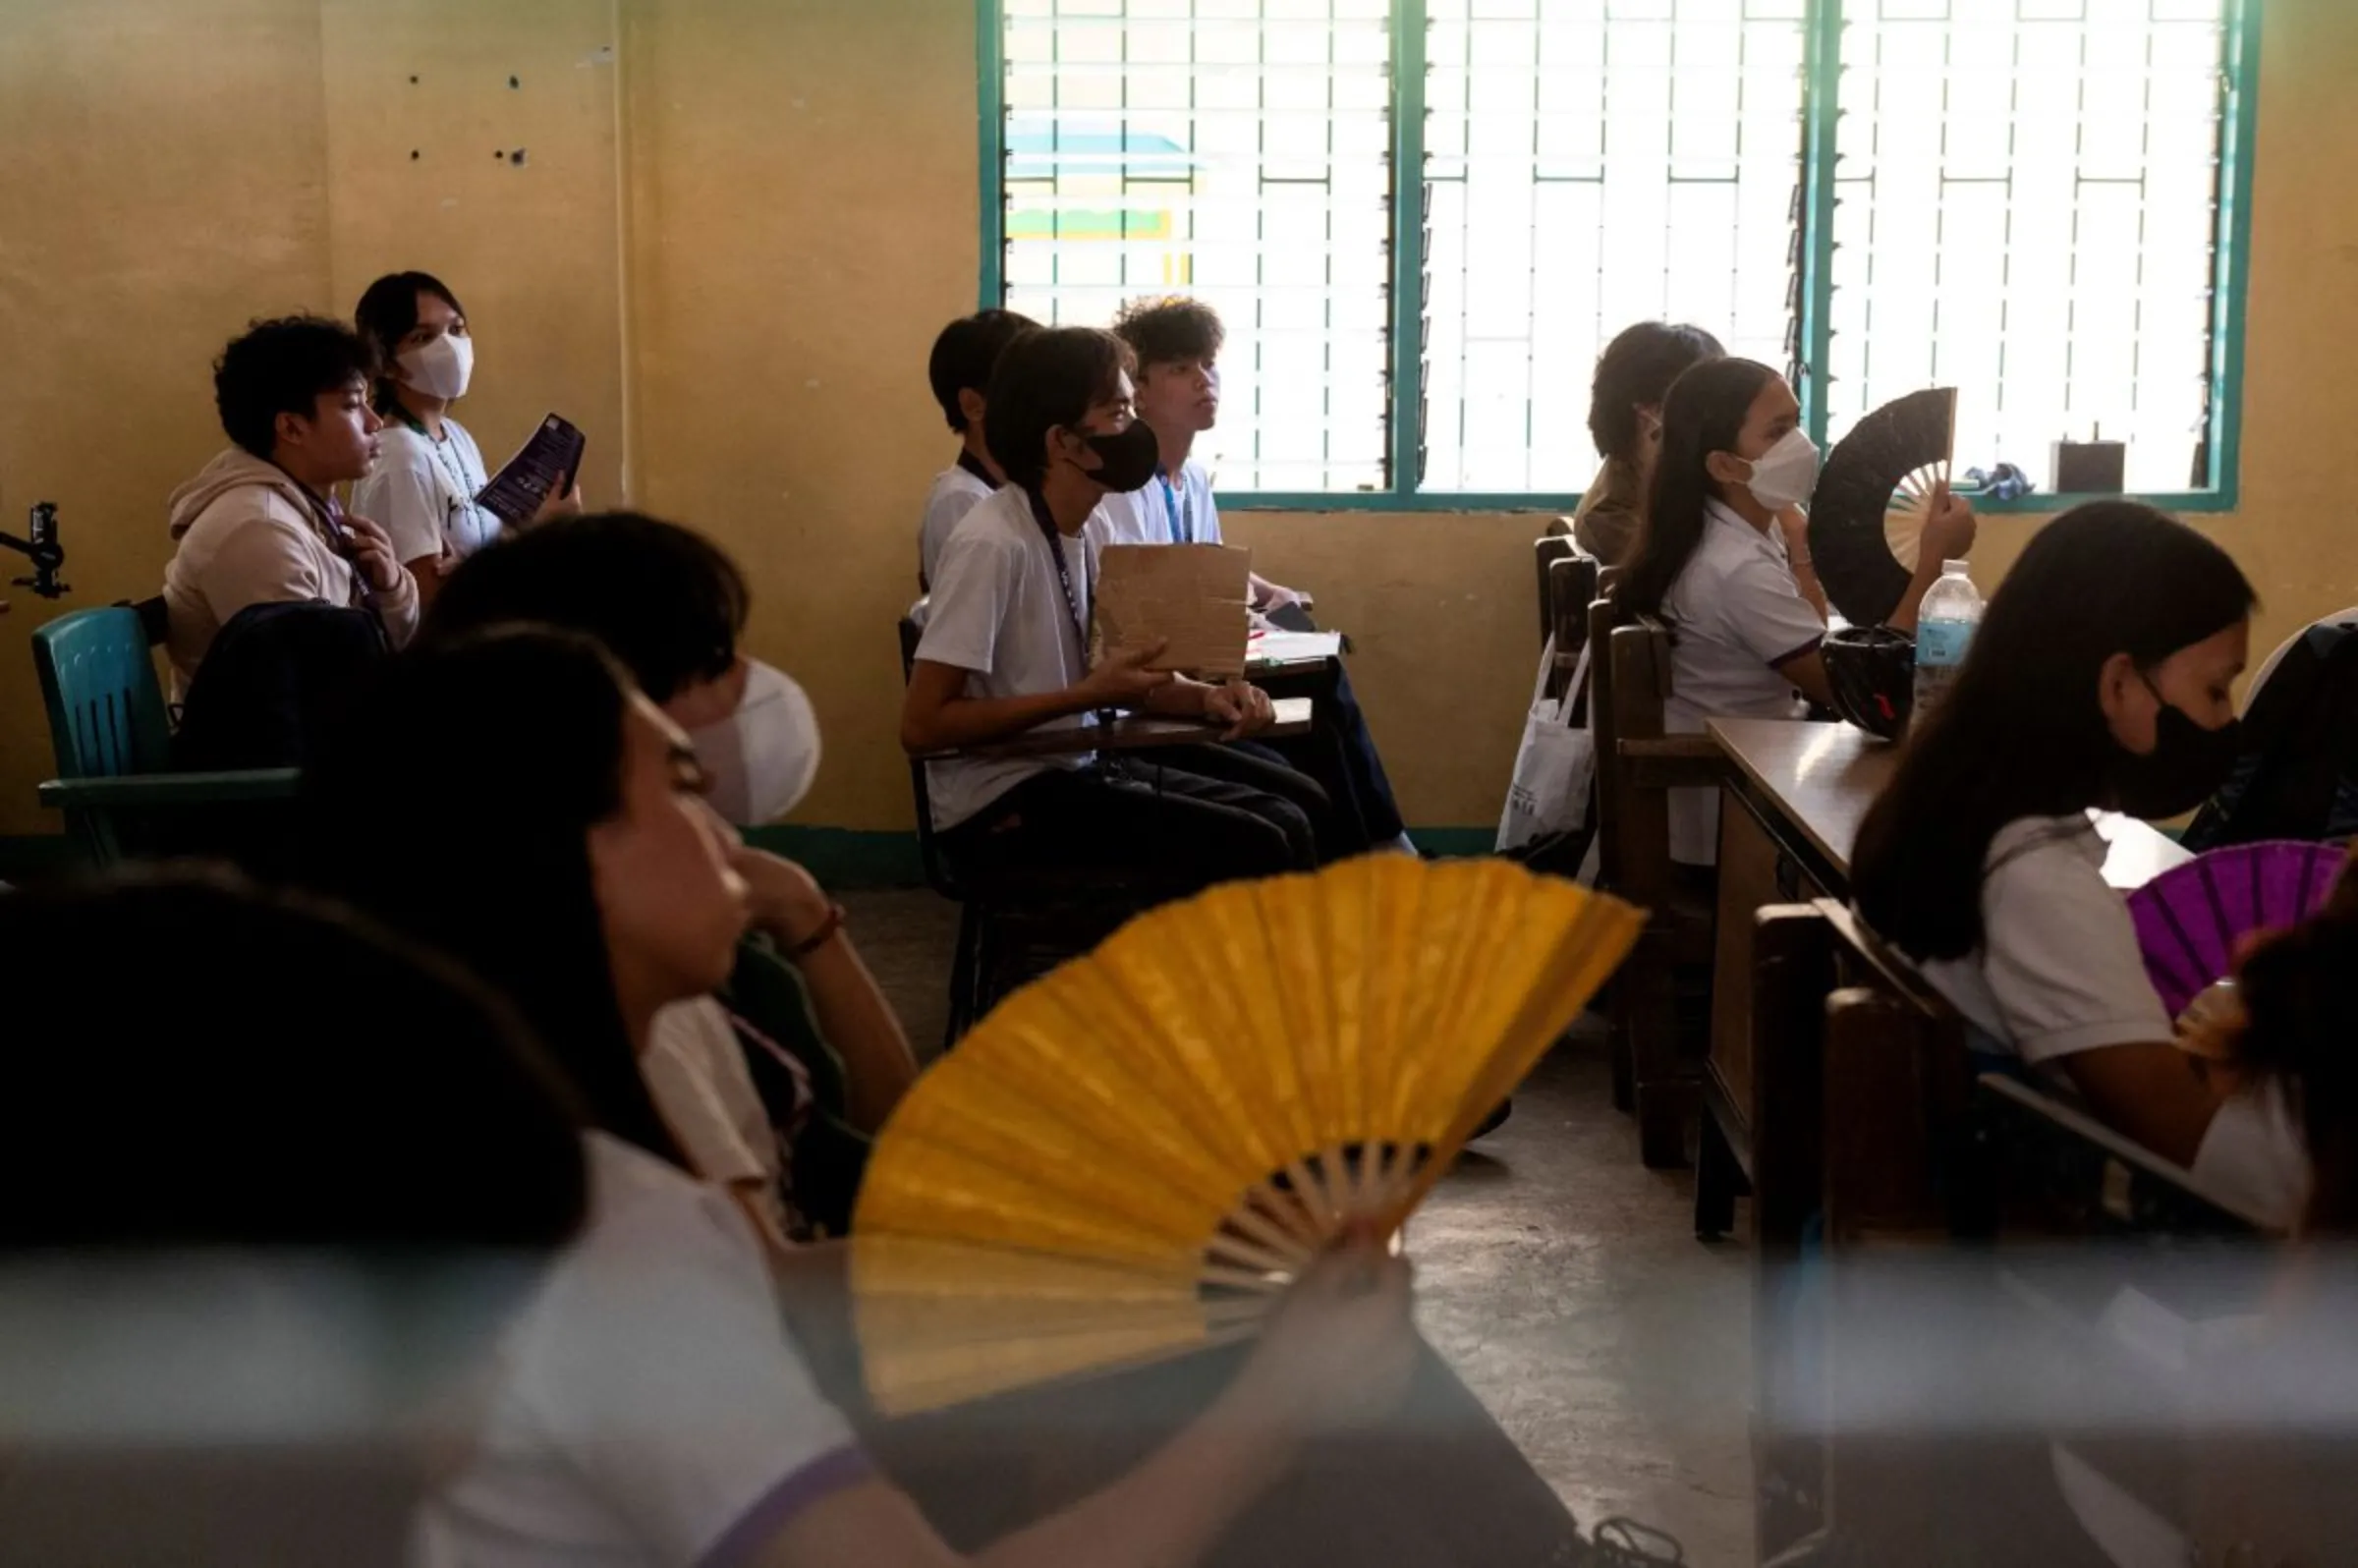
{"x": 2029, "y": 199}
{"x": 2039, "y": 201}
{"x": 1235, "y": 149}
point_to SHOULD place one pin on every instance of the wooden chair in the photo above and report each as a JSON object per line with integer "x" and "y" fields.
{"x": 1016, "y": 931}
{"x": 1603, "y": 618}
{"x": 113, "y": 741}
{"x": 1551, "y": 546}
{"x": 1638, "y": 764}
{"x": 1881, "y": 1136}
{"x": 1571, "y": 589}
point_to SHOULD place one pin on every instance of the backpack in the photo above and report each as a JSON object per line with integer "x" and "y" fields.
{"x": 272, "y": 681}
{"x": 2298, "y": 776}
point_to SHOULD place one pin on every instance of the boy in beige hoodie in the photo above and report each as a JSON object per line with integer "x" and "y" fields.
{"x": 261, "y": 523}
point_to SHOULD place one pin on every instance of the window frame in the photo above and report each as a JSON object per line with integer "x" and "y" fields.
{"x": 1822, "y": 113}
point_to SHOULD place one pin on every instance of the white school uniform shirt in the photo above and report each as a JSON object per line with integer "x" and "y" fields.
{"x": 999, "y": 613}
{"x": 2058, "y": 971}
{"x": 422, "y": 492}
{"x": 648, "y": 1408}
{"x": 956, "y": 491}
{"x": 696, "y": 1069}
{"x": 1737, "y": 615}
{"x": 1172, "y": 509}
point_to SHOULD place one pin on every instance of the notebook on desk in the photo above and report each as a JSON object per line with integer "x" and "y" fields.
{"x": 1269, "y": 649}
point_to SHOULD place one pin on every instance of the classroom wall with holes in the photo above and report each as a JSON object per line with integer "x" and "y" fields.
{"x": 719, "y": 236}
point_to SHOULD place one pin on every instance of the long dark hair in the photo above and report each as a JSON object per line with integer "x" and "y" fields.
{"x": 2021, "y": 733}
{"x": 456, "y": 803}
{"x": 1703, "y": 412}
{"x": 387, "y": 313}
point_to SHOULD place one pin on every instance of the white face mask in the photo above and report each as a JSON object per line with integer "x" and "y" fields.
{"x": 440, "y": 368}
{"x": 1786, "y": 473}
{"x": 762, "y": 758}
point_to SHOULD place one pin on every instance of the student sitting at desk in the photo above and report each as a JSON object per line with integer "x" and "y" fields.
{"x": 1177, "y": 341}
{"x": 1625, "y": 418}
{"x": 259, "y": 525}
{"x": 1006, "y": 652}
{"x": 801, "y": 1017}
{"x": 423, "y": 486}
{"x": 1723, "y": 559}
{"x": 2298, "y": 992}
{"x": 960, "y": 373}
{"x": 2102, "y": 676}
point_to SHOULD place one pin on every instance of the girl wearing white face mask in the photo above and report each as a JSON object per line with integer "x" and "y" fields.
{"x": 1724, "y": 560}
{"x": 424, "y": 487}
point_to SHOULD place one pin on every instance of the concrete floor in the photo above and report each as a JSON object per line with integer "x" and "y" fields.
{"x": 1559, "y": 1277}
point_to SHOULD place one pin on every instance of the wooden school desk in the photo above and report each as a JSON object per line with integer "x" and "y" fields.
{"x": 1276, "y": 653}
{"x": 1133, "y": 732}
{"x": 1790, "y": 811}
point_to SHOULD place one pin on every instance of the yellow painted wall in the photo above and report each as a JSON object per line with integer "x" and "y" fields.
{"x": 726, "y": 254}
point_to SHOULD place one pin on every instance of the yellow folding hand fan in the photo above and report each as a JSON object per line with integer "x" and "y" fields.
{"x": 1137, "y": 1156}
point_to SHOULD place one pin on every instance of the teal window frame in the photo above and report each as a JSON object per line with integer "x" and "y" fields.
{"x": 2231, "y": 242}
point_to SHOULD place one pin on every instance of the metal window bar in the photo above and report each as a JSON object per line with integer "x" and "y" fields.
{"x": 1847, "y": 267}
{"x": 2046, "y": 239}
{"x": 1235, "y": 149}
{"x": 1591, "y": 163}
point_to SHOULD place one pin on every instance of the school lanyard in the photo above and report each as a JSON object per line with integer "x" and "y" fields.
{"x": 974, "y": 466}
{"x": 1073, "y": 601}
{"x": 446, "y": 457}
{"x": 1182, "y": 521}
{"x": 330, "y": 514}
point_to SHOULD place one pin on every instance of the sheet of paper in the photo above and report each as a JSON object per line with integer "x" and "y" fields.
{"x": 1193, "y": 598}
{"x": 1293, "y": 648}
{"x": 552, "y": 456}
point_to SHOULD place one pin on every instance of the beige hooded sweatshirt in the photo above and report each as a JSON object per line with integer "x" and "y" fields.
{"x": 247, "y": 535}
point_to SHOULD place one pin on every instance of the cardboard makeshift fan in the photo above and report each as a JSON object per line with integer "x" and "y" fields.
{"x": 1873, "y": 498}
{"x": 1192, "y": 600}
{"x": 1136, "y": 1157}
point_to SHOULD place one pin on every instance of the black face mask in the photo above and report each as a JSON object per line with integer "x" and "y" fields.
{"x": 1126, "y": 462}
{"x": 2186, "y": 766}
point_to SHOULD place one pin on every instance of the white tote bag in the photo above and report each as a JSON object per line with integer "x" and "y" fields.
{"x": 1554, "y": 767}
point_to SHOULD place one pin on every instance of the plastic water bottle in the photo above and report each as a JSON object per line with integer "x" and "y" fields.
{"x": 1944, "y": 626}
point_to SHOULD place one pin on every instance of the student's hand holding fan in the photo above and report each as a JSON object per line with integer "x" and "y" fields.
{"x": 1122, "y": 679}
{"x": 2197, "y": 923}
{"x": 1340, "y": 1349}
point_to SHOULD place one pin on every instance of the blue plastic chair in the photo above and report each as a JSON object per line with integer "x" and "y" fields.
{"x": 113, "y": 740}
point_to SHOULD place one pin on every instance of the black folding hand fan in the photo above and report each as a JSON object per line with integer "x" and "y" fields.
{"x": 1873, "y": 498}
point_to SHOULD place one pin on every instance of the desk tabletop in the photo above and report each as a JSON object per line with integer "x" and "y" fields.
{"x": 1133, "y": 732}
{"x": 1822, "y": 778}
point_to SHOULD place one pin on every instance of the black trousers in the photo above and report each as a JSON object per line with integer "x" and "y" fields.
{"x": 1339, "y": 753}
{"x": 1150, "y": 815}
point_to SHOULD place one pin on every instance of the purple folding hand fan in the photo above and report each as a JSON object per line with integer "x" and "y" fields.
{"x": 2189, "y": 918}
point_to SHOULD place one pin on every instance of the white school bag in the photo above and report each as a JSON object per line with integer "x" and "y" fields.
{"x": 1554, "y": 767}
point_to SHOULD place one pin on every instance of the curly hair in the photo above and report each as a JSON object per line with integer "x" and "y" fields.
{"x": 284, "y": 366}
{"x": 1171, "y": 329}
